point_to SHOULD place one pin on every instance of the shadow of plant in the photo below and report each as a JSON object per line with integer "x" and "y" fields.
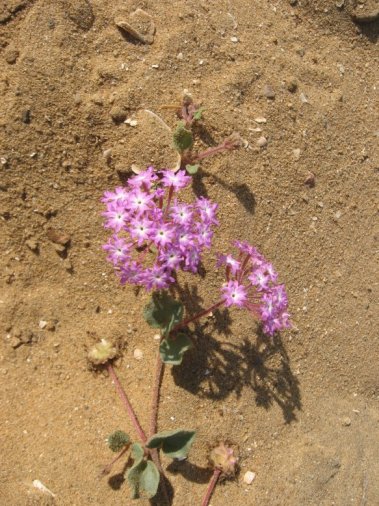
{"x": 241, "y": 191}
{"x": 213, "y": 369}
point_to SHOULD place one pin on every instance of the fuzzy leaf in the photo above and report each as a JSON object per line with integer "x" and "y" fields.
{"x": 175, "y": 443}
{"x": 192, "y": 169}
{"x": 117, "y": 440}
{"x": 198, "y": 114}
{"x": 172, "y": 350}
{"x": 149, "y": 479}
{"x": 163, "y": 312}
{"x": 182, "y": 138}
{"x": 143, "y": 475}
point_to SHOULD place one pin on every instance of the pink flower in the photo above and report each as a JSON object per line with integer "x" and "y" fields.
{"x": 234, "y": 293}
{"x": 177, "y": 180}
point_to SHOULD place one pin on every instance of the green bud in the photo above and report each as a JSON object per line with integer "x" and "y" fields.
{"x": 117, "y": 440}
{"x": 182, "y": 138}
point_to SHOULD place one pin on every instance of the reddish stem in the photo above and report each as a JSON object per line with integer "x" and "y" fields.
{"x": 210, "y": 152}
{"x": 211, "y": 486}
{"x": 108, "y": 467}
{"x": 159, "y": 371}
{"x": 124, "y": 399}
{"x": 197, "y": 316}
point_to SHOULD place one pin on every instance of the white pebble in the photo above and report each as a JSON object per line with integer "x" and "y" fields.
{"x": 303, "y": 98}
{"x": 131, "y": 122}
{"x": 138, "y": 354}
{"x": 42, "y": 324}
{"x": 155, "y": 66}
{"x": 249, "y": 477}
{"x": 40, "y": 486}
{"x": 179, "y": 56}
{"x": 296, "y": 153}
{"x": 234, "y": 39}
{"x": 262, "y": 141}
{"x": 157, "y": 337}
{"x": 260, "y": 119}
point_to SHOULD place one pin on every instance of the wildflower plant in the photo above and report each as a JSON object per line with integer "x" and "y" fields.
{"x": 154, "y": 234}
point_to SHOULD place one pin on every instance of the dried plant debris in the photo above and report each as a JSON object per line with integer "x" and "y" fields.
{"x": 140, "y": 26}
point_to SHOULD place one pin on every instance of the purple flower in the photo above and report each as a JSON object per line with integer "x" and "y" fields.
{"x": 141, "y": 229}
{"x": 157, "y": 278}
{"x": 230, "y": 262}
{"x": 207, "y": 210}
{"x": 177, "y": 180}
{"x": 163, "y": 235}
{"x": 116, "y": 217}
{"x": 234, "y": 293}
{"x": 251, "y": 283}
{"x": 152, "y": 237}
{"x": 181, "y": 214}
{"x": 143, "y": 180}
{"x": 118, "y": 250}
{"x": 139, "y": 201}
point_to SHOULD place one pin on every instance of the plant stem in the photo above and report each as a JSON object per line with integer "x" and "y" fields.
{"x": 108, "y": 467}
{"x": 124, "y": 399}
{"x": 159, "y": 371}
{"x": 197, "y": 316}
{"x": 210, "y": 152}
{"x": 211, "y": 486}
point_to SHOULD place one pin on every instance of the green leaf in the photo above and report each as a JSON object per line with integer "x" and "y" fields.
{"x": 143, "y": 475}
{"x": 172, "y": 349}
{"x": 192, "y": 169}
{"x": 182, "y": 138}
{"x": 163, "y": 312}
{"x": 175, "y": 444}
{"x": 149, "y": 479}
{"x": 117, "y": 440}
{"x": 198, "y": 114}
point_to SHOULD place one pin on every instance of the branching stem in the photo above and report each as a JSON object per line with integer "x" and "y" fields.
{"x": 211, "y": 486}
{"x": 197, "y": 316}
{"x": 124, "y": 399}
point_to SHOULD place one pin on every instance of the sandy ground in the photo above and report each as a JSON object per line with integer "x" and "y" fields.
{"x": 302, "y": 408}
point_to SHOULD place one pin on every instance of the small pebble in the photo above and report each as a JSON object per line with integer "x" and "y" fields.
{"x": 138, "y": 354}
{"x": 262, "y": 141}
{"x": 11, "y": 56}
{"x": 157, "y": 337}
{"x": 310, "y": 180}
{"x": 303, "y": 98}
{"x": 118, "y": 114}
{"x": 296, "y": 153}
{"x": 234, "y": 39}
{"x": 249, "y": 477}
{"x": 131, "y": 122}
{"x": 346, "y": 421}
{"x": 155, "y": 66}
{"x": 338, "y": 215}
{"x": 107, "y": 154}
{"x": 260, "y": 119}
{"x": 32, "y": 244}
{"x": 25, "y": 116}
{"x": 269, "y": 92}
{"x": 292, "y": 86}
{"x": 42, "y": 324}
{"x": 179, "y": 56}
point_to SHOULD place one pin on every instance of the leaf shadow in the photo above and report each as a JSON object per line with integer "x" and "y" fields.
{"x": 214, "y": 369}
{"x": 190, "y": 471}
{"x": 242, "y": 192}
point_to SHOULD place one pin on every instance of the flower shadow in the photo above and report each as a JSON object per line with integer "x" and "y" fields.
{"x": 214, "y": 369}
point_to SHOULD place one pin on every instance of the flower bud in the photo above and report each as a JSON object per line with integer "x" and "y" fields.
{"x": 222, "y": 458}
{"x": 102, "y": 352}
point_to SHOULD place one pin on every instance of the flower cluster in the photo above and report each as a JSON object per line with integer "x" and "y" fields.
{"x": 146, "y": 217}
{"x": 251, "y": 282}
